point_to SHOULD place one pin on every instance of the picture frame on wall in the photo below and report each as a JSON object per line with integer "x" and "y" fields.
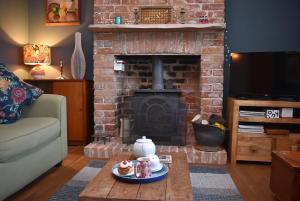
{"x": 62, "y": 12}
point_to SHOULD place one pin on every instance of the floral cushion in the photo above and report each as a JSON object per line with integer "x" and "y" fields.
{"x": 14, "y": 96}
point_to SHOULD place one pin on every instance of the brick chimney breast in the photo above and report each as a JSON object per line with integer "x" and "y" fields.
{"x": 201, "y": 84}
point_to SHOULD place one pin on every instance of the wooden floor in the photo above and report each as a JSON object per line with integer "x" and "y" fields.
{"x": 252, "y": 180}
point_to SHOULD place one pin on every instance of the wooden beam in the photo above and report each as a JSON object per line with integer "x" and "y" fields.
{"x": 154, "y": 27}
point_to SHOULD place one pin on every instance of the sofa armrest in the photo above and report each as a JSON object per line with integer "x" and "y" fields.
{"x": 51, "y": 105}
{"x": 47, "y": 105}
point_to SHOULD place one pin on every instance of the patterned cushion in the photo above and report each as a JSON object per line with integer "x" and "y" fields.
{"x": 14, "y": 95}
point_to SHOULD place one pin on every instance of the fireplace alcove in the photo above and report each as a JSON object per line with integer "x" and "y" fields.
{"x": 201, "y": 91}
{"x": 156, "y": 105}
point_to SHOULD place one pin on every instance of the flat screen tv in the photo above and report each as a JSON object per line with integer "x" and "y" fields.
{"x": 274, "y": 75}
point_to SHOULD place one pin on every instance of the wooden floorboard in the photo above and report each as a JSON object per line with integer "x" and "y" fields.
{"x": 251, "y": 179}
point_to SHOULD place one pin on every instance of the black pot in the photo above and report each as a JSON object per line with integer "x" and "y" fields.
{"x": 207, "y": 135}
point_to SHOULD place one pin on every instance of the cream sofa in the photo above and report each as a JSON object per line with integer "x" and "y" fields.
{"x": 33, "y": 144}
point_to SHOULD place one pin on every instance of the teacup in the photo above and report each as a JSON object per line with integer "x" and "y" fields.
{"x": 143, "y": 167}
{"x": 155, "y": 163}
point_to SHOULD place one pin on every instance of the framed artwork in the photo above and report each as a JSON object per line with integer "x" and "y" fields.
{"x": 62, "y": 12}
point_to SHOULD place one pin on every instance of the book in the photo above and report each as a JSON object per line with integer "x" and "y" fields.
{"x": 246, "y": 113}
{"x": 242, "y": 128}
{"x": 165, "y": 158}
{"x": 250, "y": 131}
{"x": 251, "y": 126}
{"x": 277, "y": 131}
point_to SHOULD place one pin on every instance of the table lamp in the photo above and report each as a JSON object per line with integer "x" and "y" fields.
{"x": 37, "y": 55}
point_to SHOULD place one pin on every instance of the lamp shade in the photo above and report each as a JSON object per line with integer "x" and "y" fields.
{"x": 37, "y": 54}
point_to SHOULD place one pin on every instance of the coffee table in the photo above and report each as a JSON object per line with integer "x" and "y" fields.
{"x": 285, "y": 175}
{"x": 176, "y": 186}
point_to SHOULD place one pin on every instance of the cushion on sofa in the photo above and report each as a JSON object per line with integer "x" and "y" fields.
{"x": 14, "y": 96}
{"x": 26, "y": 135}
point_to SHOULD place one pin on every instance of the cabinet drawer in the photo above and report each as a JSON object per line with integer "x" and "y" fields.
{"x": 254, "y": 148}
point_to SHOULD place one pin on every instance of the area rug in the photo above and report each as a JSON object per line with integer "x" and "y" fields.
{"x": 209, "y": 183}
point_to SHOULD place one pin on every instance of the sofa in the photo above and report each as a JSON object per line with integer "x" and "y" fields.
{"x": 34, "y": 144}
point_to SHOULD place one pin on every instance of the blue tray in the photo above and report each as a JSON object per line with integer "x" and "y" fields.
{"x": 156, "y": 176}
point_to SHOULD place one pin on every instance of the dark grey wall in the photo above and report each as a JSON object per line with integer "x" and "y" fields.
{"x": 263, "y": 25}
{"x": 13, "y": 33}
{"x": 260, "y": 26}
{"x": 61, "y": 38}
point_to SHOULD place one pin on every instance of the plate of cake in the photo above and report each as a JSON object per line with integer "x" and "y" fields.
{"x": 124, "y": 168}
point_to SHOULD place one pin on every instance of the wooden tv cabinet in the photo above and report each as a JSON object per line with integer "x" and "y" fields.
{"x": 258, "y": 146}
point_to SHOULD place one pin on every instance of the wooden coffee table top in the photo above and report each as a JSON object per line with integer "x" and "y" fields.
{"x": 291, "y": 158}
{"x": 176, "y": 186}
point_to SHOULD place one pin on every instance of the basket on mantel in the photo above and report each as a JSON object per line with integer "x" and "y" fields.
{"x": 155, "y": 15}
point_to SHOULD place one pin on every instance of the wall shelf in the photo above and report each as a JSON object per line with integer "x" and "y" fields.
{"x": 154, "y": 27}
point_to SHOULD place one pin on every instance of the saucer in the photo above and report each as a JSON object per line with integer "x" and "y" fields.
{"x": 116, "y": 172}
{"x": 158, "y": 168}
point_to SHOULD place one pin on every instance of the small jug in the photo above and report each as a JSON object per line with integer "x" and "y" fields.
{"x": 143, "y": 168}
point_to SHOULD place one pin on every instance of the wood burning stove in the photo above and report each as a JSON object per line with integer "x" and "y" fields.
{"x": 158, "y": 113}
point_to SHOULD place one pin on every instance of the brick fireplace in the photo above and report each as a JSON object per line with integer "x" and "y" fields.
{"x": 200, "y": 79}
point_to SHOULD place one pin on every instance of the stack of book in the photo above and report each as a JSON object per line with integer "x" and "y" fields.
{"x": 250, "y": 128}
{"x": 165, "y": 158}
{"x": 247, "y": 113}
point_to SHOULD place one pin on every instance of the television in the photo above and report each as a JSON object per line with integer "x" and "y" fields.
{"x": 271, "y": 75}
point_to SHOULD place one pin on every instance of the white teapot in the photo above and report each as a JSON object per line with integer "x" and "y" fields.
{"x": 143, "y": 147}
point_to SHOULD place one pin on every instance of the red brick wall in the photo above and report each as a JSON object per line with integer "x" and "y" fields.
{"x": 106, "y": 10}
{"x": 181, "y": 72}
{"x": 207, "y": 43}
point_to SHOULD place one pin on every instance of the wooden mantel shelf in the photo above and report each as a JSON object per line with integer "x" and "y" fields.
{"x": 154, "y": 27}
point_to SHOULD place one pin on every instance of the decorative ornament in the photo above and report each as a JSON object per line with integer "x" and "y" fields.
{"x": 118, "y": 20}
{"x": 78, "y": 65}
{"x": 272, "y": 113}
{"x": 182, "y": 16}
{"x": 61, "y": 77}
{"x": 136, "y": 16}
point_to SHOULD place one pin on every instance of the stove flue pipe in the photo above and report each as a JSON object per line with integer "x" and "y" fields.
{"x": 157, "y": 73}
